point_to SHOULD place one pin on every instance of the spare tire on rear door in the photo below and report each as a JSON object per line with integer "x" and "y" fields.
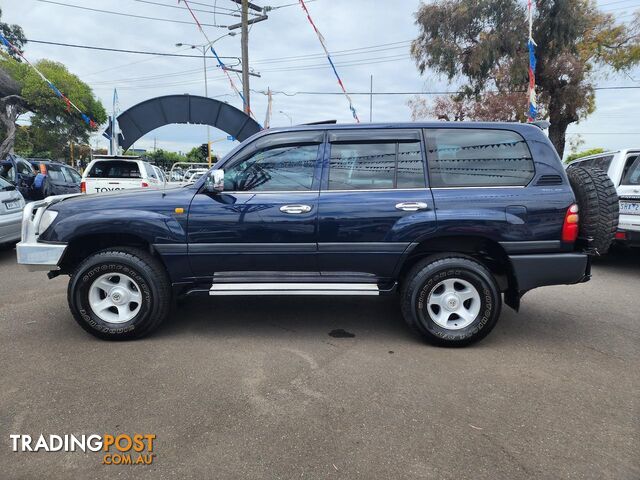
{"x": 598, "y": 203}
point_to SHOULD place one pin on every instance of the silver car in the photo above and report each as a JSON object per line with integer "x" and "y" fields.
{"x": 11, "y": 205}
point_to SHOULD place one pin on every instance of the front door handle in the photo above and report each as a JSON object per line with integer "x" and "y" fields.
{"x": 295, "y": 209}
{"x": 411, "y": 206}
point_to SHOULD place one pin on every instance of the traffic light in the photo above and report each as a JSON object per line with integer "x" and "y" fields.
{"x": 204, "y": 151}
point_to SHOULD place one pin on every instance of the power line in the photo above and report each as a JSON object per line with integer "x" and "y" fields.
{"x": 337, "y": 53}
{"x": 442, "y": 92}
{"x": 276, "y": 7}
{"x": 182, "y": 8}
{"x": 107, "y": 49}
{"x": 131, "y": 15}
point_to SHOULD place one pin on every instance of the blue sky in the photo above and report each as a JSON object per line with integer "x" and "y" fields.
{"x": 369, "y": 37}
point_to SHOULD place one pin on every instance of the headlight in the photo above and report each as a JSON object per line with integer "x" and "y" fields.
{"x": 46, "y": 220}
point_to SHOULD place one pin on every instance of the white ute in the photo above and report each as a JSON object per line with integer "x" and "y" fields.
{"x": 623, "y": 168}
{"x": 118, "y": 173}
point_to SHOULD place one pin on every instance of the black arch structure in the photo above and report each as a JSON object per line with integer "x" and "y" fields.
{"x": 146, "y": 116}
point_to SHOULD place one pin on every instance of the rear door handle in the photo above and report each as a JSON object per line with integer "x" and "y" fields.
{"x": 411, "y": 206}
{"x": 295, "y": 209}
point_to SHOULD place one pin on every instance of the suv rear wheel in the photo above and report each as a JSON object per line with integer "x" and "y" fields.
{"x": 451, "y": 301}
{"x": 119, "y": 294}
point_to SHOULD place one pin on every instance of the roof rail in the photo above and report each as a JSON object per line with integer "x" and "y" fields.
{"x": 322, "y": 122}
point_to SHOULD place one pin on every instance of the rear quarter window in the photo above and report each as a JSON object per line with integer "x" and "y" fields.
{"x": 55, "y": 174}
{"x": 114, "y": 169}
{"x": 478, "y": 158}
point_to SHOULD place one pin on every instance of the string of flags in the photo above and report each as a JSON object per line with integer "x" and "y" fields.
{"x": 326, "y": 51}
{"x": 56, "y": 91}
{"x": 218, "y": 59}
{"x": 531, "y": 44}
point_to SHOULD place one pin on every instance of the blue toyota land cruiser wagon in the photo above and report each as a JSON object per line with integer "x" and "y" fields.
{"x": 454, "y": 217}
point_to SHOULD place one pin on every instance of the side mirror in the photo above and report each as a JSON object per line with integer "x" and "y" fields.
{"x": 215, "y": 181}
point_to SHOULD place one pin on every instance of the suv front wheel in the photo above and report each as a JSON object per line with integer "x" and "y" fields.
{"x": 119, "y": 294}
{"x": 451, "y": 300}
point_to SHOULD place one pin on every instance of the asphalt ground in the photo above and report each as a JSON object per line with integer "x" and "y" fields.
{"x": 257, "y": 388}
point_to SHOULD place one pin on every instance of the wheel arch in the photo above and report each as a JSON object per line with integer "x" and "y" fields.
{"x": 81, "y": 247}
{"x": 484, "y": 250}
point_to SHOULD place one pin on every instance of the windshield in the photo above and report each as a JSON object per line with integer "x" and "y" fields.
{"x": 631, "y": 174}
{"x": 114, "y": 169}
{"x": 4, "y": 185}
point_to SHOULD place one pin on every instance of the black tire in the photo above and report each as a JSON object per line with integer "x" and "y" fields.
{"x": 152, "y": 282}
{"x": 423, "y": 280}
{"x": 598, "y": 206}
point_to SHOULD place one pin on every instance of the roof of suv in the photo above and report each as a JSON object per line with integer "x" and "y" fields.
{"x": 524, "y": 129}
{"x": 479, "y": 125}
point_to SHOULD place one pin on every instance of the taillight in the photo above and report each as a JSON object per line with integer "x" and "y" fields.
{"x": 621, "y": 235}
{"x": 145, "y": 184}
{"x": 43, "y": 169}
{"x": 570, "y": 226}
{"x": 83, "y": 187}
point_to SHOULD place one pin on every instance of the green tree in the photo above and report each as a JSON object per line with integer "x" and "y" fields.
{"x": 481, "y": 45}
{"x": 14, "y": 34}
{"x": 585, "y": 153}
{"x": 163, "y": 158}
{"x": 53, "y": 127}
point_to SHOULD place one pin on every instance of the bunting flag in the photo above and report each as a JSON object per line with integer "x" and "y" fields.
{"x": 218, "y": 59}
{"x": 333, "y": 67}
{"x": 531, "y": 45}
{"x": 56, "y": 91}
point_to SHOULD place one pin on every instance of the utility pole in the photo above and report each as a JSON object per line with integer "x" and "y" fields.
{"x": 206, "y": 94}
{"x": 245, "y": 55}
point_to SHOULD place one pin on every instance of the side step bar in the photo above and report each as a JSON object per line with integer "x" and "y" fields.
{"x": 294, "y": 289}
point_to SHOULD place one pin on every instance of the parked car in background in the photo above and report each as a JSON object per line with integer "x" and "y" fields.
{"x": 54, "y": 178}
{"x": 160, "y": 173}
{"x": 19, "y": 172}
{"x": 11, "y": 205}
{"x": 192, "y": 175}
{"x": 623, "y": 168}
{"x": 118, "y": 173}
{"x": 180, "y": 171}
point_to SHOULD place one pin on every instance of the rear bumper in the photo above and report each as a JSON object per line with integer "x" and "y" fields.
{"x": 533, "y": 271}
{"x": 629, "y": 225}
{"x": 10, "y": 225}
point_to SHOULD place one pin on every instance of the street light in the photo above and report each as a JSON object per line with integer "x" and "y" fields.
{"x": 203, "y": 49}
{"x": 288, "y": 116}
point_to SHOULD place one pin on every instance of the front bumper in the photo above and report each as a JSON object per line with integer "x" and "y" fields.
{"x": 532, "y": 271}
{"x": 34, "y": 254}
{"x": 40, "y": 256}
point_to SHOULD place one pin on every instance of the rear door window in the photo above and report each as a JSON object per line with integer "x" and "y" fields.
{"x": 54, "y": 172}
{"x": 478, "y": 158}
{"x": 376, "y": 165}
{"x": 114, "y": 169}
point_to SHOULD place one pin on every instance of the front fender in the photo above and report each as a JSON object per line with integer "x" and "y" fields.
{"x": 151, "y": 226}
